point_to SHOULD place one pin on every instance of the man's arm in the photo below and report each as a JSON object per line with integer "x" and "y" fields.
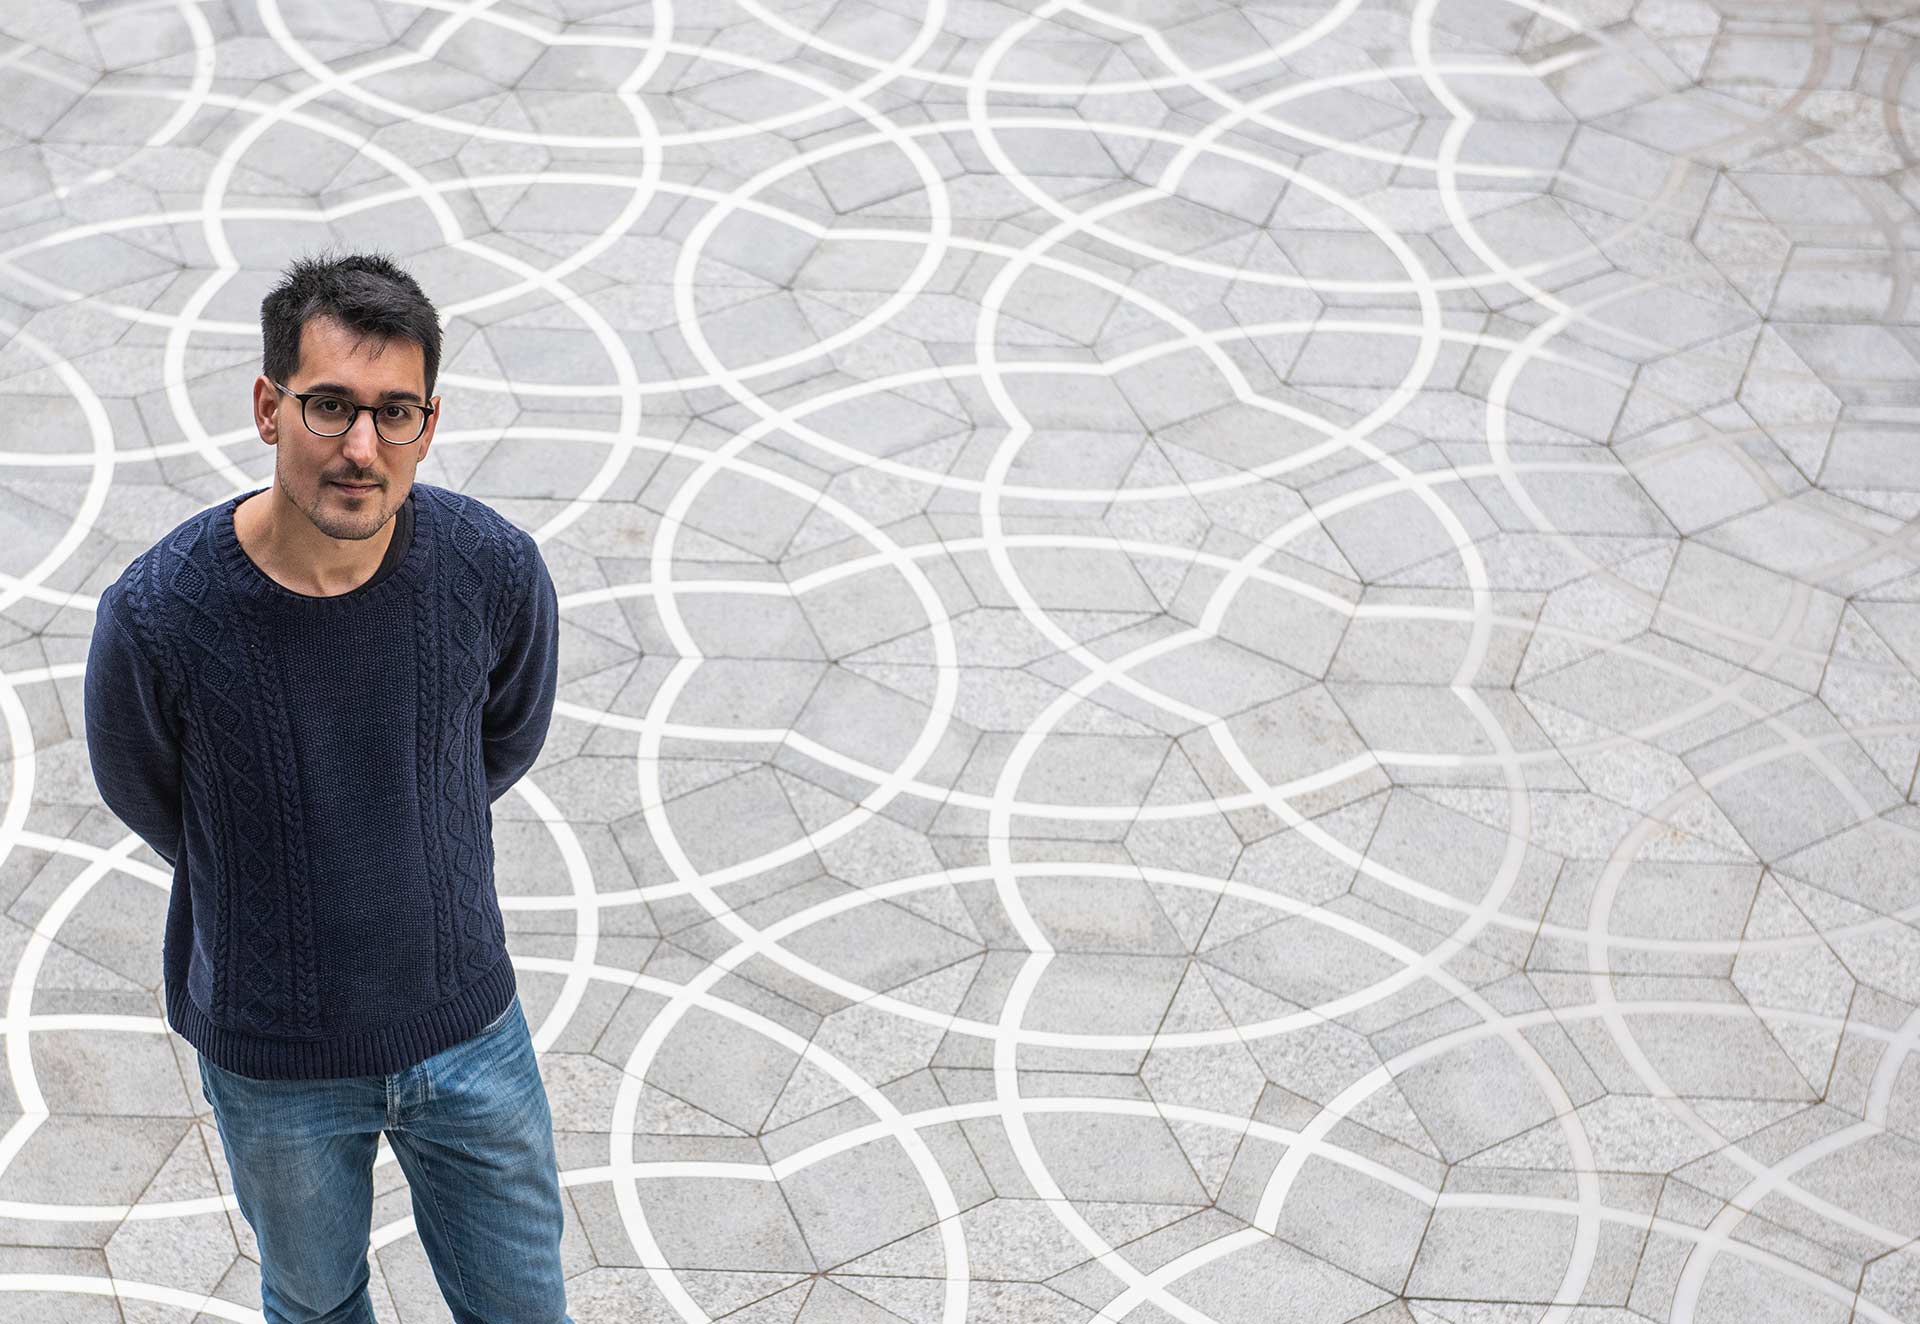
{"x": 520, "y": 688}
{"x": 131, "y": 742}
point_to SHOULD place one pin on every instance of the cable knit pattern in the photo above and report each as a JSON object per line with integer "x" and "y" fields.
{"x": 302, "y": 1012}
{"x": 135, "y": 595}
{"x": 193, "y": 599}
{"x": 472, "y": 636}
{"x": 323, "y": 768}
{"x": 431, "y": 721}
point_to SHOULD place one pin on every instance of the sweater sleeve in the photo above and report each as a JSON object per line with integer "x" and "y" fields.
{"x": 520, "y": 687}
{"x": 131, "y": 743}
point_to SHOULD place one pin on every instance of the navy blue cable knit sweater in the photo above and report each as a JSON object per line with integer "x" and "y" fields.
{"x": 319, "y": 771}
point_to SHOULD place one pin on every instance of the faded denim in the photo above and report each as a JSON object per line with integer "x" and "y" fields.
{"x": 471, "y": 1129}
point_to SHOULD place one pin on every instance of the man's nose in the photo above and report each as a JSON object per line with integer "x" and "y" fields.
{"x": 362, "y": 442}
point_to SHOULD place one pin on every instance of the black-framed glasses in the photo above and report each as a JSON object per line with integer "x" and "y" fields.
{"x": 398, "y": 422}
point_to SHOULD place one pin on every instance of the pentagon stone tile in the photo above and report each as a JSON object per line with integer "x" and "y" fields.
{"x": 1521, "y": 1251}
{"x": 53, "y": 1300}
{"x": 1316, "y": 722}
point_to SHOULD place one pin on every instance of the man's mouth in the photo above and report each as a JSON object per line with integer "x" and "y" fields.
{"x": 357, "y": 488}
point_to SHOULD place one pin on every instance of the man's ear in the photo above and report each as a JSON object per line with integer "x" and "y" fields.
{"x": 266, "y": 410}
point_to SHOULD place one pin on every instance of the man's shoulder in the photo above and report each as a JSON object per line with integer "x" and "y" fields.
{"x": 483, "y": 555}
{"x": 157, "y": 592}
{"x": 176, "y": 564}
{"x": 471, "y": 532}
{"x": 453, "y": 510}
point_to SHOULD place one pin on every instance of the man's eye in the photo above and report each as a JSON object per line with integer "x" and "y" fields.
{"x": 329, "y": 404}
{"x": 394, "y": 413}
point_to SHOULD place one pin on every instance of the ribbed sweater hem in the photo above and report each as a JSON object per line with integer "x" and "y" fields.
{"x": 379, "y": 1052}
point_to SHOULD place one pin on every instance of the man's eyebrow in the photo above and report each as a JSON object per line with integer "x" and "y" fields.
{"x": 335, "y": 388}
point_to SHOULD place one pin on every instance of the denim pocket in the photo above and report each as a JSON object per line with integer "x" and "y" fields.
{"x": 501, "y": 1019}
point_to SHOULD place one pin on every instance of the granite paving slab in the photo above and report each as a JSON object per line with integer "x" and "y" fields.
{"x": 1220, "y": 662}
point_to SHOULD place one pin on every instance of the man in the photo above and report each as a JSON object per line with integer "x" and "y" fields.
{"x": 306, "y": 699}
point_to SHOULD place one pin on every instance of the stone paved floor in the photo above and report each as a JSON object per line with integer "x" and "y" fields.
{"x": 1223, "y": 662}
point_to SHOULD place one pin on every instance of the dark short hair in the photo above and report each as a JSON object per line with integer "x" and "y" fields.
{"x": 365, "y": 292}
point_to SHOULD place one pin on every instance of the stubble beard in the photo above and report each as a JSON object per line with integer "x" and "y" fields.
{"x": 345, "y": 525}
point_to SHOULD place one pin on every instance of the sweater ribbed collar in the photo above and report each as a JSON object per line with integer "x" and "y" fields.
{"x": 245, "y": 577}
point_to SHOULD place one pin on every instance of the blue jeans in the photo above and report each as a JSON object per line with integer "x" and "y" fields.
{"x": 473, "y": 1134}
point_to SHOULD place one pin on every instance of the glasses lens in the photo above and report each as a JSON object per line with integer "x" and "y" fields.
{"x": 327, "y": 415}
{"x": 399, "y": 423}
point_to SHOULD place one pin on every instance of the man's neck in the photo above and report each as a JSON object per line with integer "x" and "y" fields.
{"x": 278, "y": 537}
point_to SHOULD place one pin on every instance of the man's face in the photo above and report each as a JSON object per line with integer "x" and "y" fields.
{"x": 349, "y": 485}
